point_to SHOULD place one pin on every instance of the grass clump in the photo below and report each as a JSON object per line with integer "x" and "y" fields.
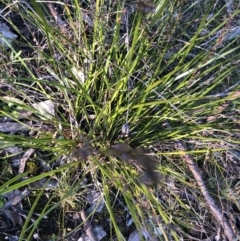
{"x": 78, "y": 75}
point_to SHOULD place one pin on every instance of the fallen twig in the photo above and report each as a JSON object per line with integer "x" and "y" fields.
{"x": 88, "y": 226}
{"x": 217, "y": 212}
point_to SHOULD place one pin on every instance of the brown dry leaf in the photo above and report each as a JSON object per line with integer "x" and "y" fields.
{"x": 6, "y": 35}
{"x": 6, "y": 127}
{"x": 15, "y": 197}
{"x": 94, "y": 198}
{"x": 125, "y": 129}
{"x": 14, "y": 217}
{"x": 45, "y": 108}
{"x": 23, "y": 160}
{"x": 11, "y": 209}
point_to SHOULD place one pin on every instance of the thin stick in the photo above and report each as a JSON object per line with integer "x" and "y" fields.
{"x": 88, "y": 226}
{"x": 216, "y": 211}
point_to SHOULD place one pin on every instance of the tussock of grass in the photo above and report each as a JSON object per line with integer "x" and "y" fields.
{"x": 176, "y": 69}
